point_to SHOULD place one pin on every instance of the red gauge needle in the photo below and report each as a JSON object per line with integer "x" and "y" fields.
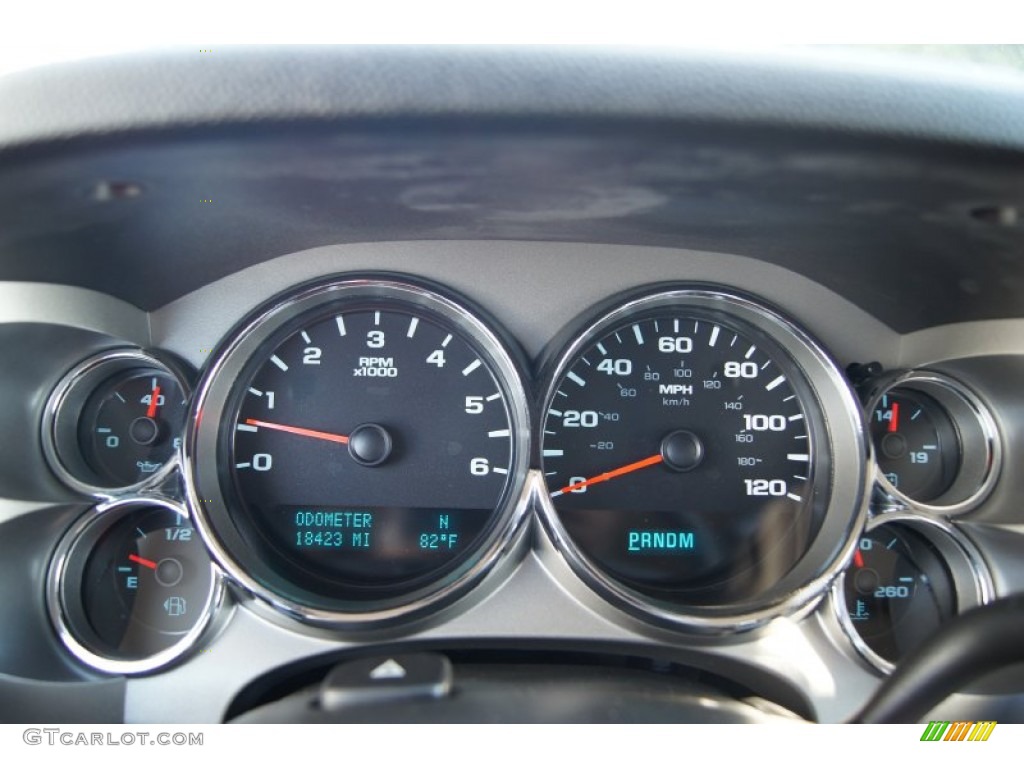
{"x": 650, "y": 461}
{"x": 154, "y": 398}
{"x": 894, "y": 419}
{"x": 343, "y": 439}
{"x": 858, "y": 559}
{"x": 142, "y": 561}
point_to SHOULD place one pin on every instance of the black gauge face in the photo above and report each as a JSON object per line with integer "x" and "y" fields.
{"x": 115, "y": 422}
{"x": 138, "y": 586}
{"x": 916, "y": 444}
{"x": 131, "y": 426}
{"x": 680, "y": 450}
{"x": 899, "y": 590}
{"x": 367, "y": 450}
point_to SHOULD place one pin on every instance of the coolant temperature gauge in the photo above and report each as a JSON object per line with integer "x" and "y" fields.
{"x": 909, "y": 576}
{"x": 133, "y": 587}
{"x": 898, "y": 592}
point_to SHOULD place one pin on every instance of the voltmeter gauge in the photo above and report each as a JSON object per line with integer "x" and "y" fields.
{"x": 936, "y": 445}
{"x": 909, "y": 576}
{"x": 918, "y": 448}
{"x": 114, "y": 423}
{"x": 132, "y": 586}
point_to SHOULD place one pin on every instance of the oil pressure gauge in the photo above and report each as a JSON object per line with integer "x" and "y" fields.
{"x": 114, "y": 423}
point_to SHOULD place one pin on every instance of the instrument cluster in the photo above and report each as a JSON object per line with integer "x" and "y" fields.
{"x": 361, "y": 451}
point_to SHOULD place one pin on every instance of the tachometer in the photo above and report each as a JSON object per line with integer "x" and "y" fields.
{"x": 370, "y": 452}
{"x": 703, "y": 457}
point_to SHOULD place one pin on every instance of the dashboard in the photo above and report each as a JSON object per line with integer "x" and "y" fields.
{"x": 613, "y": 373}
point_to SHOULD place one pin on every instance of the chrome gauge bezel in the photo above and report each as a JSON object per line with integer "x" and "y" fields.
{"x": 846, "y": 444}
{"x": 60, "y": 583}
{"x": 980, "y": 443}
{"x": 200, "y": 466}
{"x": 971, "y": 578}
{"x": 59, "y": 427}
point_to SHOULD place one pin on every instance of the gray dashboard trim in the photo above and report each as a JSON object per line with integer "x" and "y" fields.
{"x": 981, "y": 338}
{"x": 32, "y": 701}
{"x": 809, "y": 88}
{"x": 533, "y": 289}
{"x": 75, "y": 307}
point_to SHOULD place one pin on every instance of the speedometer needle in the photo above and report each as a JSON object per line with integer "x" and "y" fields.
{"x": 343, "y": 439}
{"x": 650, "y": 461}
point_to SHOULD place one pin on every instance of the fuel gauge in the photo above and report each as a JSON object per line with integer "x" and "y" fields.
{"x": 132, "y": 586}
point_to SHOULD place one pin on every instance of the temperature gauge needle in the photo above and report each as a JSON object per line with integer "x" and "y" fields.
{"x": 154, "y": 398}
{"x": 894, "y": 420}
{"x": 650, "y": 461}
{"x": 142, "y": 561}
{"x": 343, "y": 439}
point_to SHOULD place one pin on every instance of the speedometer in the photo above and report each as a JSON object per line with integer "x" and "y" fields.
{"x": 704, "y": 459}
{"x": 369, "y": 451}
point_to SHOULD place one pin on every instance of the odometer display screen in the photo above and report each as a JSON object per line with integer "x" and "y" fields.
{"x": 387, "y": 543}
{"x": 681, "y": 454}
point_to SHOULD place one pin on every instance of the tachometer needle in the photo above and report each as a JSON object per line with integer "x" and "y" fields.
{"x": 343, "y": 439}
{"x": 154, "y": 398}
{"x": 142, "y": 561}
{"x": 894, "y": 418}
{"x": 650, "y": 461}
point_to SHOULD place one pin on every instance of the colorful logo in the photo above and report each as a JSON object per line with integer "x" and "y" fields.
{"x": 939, "y": 730}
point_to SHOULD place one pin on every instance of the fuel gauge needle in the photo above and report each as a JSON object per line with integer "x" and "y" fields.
{"x": 142, "y": 561}
{"x": 650, "y": 461}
